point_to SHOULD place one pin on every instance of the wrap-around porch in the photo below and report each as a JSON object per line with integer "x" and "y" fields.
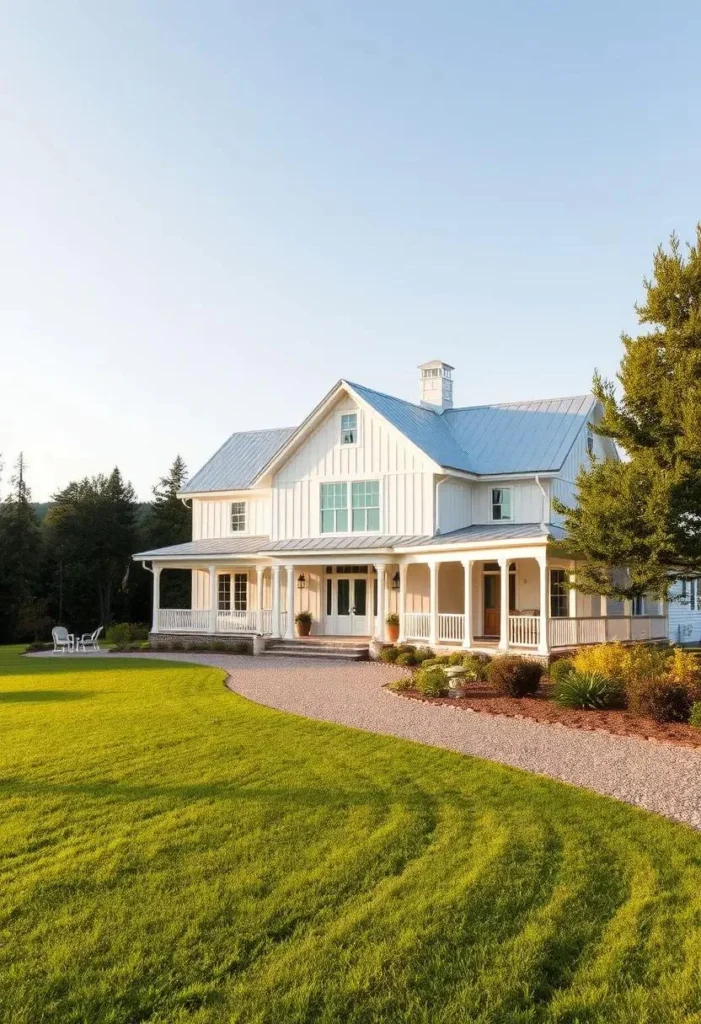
{"x": 520, "y": 600}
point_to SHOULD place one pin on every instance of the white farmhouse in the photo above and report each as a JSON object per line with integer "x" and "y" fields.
{"x": 375, "y": 505}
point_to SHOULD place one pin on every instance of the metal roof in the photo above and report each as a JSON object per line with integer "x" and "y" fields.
{"x": 210, "y": 546}
{"x": 493, "y": 532}
{"x": 238, "y": 462}
{"x": 519, "y": 437}
{"x": 349, "y": 542}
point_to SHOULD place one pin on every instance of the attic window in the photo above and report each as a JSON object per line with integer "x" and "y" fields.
{"x": 238, "y": 516}
{"x": 590, "y": 441}
{"x": 501, "y": 504}
{"x": 349, "y": 428}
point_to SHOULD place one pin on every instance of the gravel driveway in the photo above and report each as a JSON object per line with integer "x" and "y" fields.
{"x": 659, "y": 778}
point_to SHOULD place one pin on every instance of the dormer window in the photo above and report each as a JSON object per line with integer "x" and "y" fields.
{"x": 501, "y": 504}
{"x": 238, "y": 516}
{"x": 349, "y": 428}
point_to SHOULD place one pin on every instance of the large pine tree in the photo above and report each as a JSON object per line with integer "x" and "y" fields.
{"x": 644, "y": 513}
{"x": 20, "y": 557}
{"x": 170, "y": 522}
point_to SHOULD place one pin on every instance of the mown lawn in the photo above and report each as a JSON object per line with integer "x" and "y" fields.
{"x": 171, "y": 852}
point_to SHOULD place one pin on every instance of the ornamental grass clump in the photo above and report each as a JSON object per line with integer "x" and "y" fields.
{"x": 695, "y": 716}
{"x": 389, "y": 655}
{"x": 514, "y": 676}
{"x": 587, "y": 690}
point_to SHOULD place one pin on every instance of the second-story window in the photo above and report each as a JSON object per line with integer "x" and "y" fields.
{"x": 238, "y": 516}
{"x": 334, "y": 508}
{"x": 349, "y": 428}
{"x": 501, "y": 504}
{"x": 365, "y": 499}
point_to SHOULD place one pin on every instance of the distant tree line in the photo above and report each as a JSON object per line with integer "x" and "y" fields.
{"x": 72, "y": 565}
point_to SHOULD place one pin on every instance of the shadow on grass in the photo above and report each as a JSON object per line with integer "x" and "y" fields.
{"x": 41, "y": 696}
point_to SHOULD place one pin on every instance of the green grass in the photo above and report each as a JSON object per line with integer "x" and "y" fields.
{"x": 171, "y": 852}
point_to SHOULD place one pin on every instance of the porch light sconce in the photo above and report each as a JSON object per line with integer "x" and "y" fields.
{"x": 301, "y": 581}
{"x": 395, "y": 581}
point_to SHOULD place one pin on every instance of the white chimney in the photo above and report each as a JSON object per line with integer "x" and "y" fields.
{"x": 436, "y": 385}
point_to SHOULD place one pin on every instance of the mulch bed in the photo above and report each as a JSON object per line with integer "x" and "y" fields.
{"x": 538, "y": 707}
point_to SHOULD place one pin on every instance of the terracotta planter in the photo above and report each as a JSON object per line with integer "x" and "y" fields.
{"x": 303, "y": 628}
{"x": 392, "y": 634}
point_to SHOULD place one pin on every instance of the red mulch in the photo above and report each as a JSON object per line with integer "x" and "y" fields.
{"x": 539, "y": 708}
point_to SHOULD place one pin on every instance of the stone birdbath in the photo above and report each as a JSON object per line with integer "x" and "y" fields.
{"x": 458, "y": 678}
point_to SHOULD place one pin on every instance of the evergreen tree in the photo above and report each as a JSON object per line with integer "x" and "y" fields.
{"x": 644, "y": 513}
{"x": 170, "y": 522}
{"x": 91, "y": 530}
{"x": 20, "y": 556}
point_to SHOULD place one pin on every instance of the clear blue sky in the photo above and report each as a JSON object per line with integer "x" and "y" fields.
{"x": 209, "y": 212}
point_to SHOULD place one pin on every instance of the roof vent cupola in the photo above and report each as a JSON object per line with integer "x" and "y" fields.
{"x": 436, "y": 385}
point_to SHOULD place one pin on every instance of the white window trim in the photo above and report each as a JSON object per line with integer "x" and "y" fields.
{"x": 339, "y": 429}
{"x": 238, "y": 501}
{"x": 512, "y": 517}
{"x": 349, "y": 507}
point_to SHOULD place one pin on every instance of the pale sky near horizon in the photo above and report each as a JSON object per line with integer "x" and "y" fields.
{"x": 211, "y": 212}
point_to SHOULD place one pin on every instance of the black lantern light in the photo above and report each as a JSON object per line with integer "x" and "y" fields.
{"x": 301, "y": 581}
{"x": 395, "y": 581}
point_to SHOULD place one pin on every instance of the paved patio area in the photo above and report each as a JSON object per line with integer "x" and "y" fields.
{"x": 660, "y": 778}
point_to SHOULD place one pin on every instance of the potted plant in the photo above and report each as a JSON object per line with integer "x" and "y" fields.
{"x": 392, "y": 621}
{"x": 304, "y": 623}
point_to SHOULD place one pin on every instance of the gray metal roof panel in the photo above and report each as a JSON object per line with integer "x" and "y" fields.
{"x": 492, "y": 532}
{"x": 209, "y": 546}
{"x": 351, "y": 542}
{"x": 239, "y": 461}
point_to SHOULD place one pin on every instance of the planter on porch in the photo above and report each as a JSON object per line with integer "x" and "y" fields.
{"x": 392, "y": 622}
{"x": 304, "y": 623}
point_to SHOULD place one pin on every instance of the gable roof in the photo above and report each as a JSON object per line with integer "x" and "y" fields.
{"x": 238, "y": 462}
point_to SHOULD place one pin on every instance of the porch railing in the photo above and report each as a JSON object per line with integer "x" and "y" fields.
{"x": 417, "y": 625}
{"x": 237, "y": 622}
{"x": 183, "y": 620}
{"x": 451, "y": 627}
{"x": 576, "y": 631}
{"x": 524, "y": 630}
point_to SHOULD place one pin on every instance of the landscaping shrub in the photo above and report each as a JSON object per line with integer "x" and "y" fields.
{"x": 587, "y": 690}
{"x": 423, "y": 654}
{"x": 407, "y": 648}
{"x": 38, "y": 645}
{"x": 389, "y": 655}
{"x": 475, "y": 666}
{"x": 399, "y": 685}
{"x": 406, "y": 658}
{"x": 514, "y": 676}
{"x": 695, "y": 716}
{"x": 631, "y": 667}
{"x": 563, "y": 667}
{"x": 121, "y": 634}
{"x": 456, "y": 658}
{"x": 432, "y": 682}
{"x": 662, "y": 699}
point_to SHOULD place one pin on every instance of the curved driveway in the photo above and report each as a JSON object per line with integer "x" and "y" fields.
{"x": 658, "y": 777}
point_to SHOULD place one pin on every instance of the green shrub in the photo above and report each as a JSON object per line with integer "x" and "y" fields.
{"x": 456, "y": 658}
{"x": 389, "y": 655}
{"x": 392, "y": 619}
{"x": 400, "y": 685}
{"x": 475, "y": 667}
{"x": 432, "y": 682}
{"x": 563, "y": 667}
{"x": 406, "y": 658}
{"x": 588, "y": 690}
{"x": 514, "y": 676}
{"x": 121, "y": 634}
{"x": 695, "y": 716}
{"x": 662, "y": 699}
{"x": 423, "y": 654}
{"x": 404, "y": 648}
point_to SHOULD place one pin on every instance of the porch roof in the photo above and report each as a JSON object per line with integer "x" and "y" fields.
{"x": 236, "y": 546}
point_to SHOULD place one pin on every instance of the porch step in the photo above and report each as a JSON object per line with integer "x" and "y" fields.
{"x": 318, "y": 649}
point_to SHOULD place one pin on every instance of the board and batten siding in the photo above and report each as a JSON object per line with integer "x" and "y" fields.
{"x": 527, "y": 502}
{"x": 405, "y": 476}
{"x": 684, "y": 623}
{"x": 453, "y": 504}
{"x": 211, "y": 517}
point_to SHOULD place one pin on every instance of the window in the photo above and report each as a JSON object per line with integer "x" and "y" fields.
{"x": 334, "y": 508}
{"x": 559, "y": 595}
{"x": 238, "y": 516}
{"x": 638, "y": 606}
{"x": 364, "y": 507}
{"x": 365, "y": 499}
{"x": 690, "y": 594}
{"x": 501, "y": 503}
{"x": 349, "y": 428}
{"x": 240, "y": 592}
{"x": 590, "y": 441}
{"x": 224, "y": 593}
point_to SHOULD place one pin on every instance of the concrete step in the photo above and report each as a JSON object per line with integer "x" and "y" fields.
{"x": 314, "y": 648}
{"x": 315, "y": 652}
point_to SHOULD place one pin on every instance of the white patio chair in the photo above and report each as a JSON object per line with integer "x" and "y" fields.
{"x": 63, "y": 640}
{"x": 88, "y": 641}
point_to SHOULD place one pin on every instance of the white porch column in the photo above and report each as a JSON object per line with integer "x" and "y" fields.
{"x": 467, "y": 604}
{"x": 156, "y": 596}
{"x": 433, "y": 603}
{"x": 212, "y": 599}
{"x": 504, "y": 605}
{"x": 544, "y": 640}
{"x": 290, "y": 631}
{"x": 380, "y": 630}
{"x": 275, "y": 625}
{"x": 403, "y": 576}
{"x": 259, "y": 598}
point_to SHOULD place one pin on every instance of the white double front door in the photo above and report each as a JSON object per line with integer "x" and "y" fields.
{"x": 349, "y": 602}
